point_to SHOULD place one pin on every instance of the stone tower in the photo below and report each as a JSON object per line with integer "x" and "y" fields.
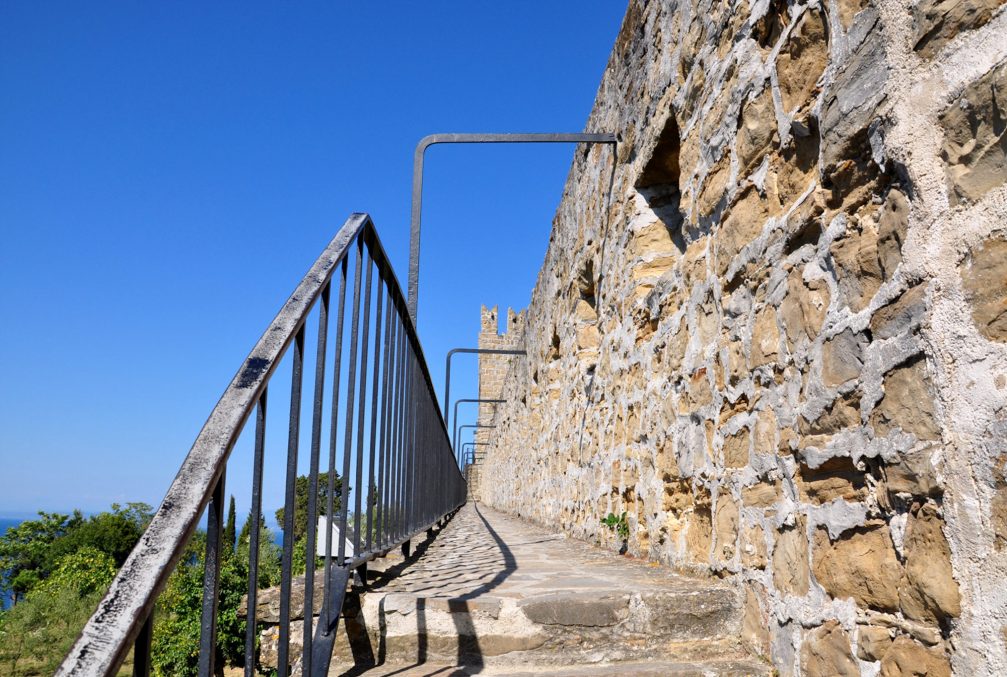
{"x": 493, "y": 369}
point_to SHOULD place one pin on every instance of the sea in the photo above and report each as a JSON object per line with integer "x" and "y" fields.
{"x": 5, "y": 524}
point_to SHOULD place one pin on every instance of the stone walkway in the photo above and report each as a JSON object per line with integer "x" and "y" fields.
{"x": 493, "y": 594}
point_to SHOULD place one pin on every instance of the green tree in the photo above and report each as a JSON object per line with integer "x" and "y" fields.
{"x": 87, "y": 571}
{"x": 27, "y": 550}
{"x": 228, "y": 535}
{"x": 301, "y": 493}
{"x": 37, "y": 632}
{"x": 114, "y": 533}
{"x": 269, "y": 552}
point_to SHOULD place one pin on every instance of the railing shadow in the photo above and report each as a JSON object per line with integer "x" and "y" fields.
{"x": 469, "y": 657}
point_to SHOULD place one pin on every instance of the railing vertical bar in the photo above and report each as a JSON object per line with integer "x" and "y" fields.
{"x": 350, "y": 401}
{"x": 400, "y": 497}
{"x": 361, "y": 410}
{"x": 253, "y": 535}
{"x": 386, "y": 392}
{"x": 211, "y": 580}
{"x": 141, "y": 648}
{"x": 371, "y": 495}
{"x": 286, "y": 569}
{"x": 316, "y": 443}
{"x": 411, "y": 445}
{"x": 333, "y": 440}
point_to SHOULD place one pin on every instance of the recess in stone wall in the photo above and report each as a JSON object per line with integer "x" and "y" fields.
{"x": 658, "y": 183}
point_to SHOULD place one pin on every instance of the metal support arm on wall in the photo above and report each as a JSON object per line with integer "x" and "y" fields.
{"x": 447, "y": 368}
{"x": 426, "y": 142}
{"x": 454, "y": 434}
{"x": 460, "y": 431}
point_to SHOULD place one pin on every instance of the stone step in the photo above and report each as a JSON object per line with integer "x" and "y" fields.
{"x": 713, "y": 668}
{"x": 493, "y": 590}
{"x": 550, "y": 628}
{"x": 490, "y": 592}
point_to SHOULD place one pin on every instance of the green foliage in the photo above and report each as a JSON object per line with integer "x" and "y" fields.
{"x": 228, "y": 535}
{"x": 269, "y": 553}
{"x": 617, "y": 524}
{"x": 26, "y": 550}
{"x": 114, "y": 533}
{"x": 175, "y": 646}
{"x": 38, "y": 631}
{"x": 29, "y": 552}
{"x": 87, "y": 571}
{"x": 301, "y": 493}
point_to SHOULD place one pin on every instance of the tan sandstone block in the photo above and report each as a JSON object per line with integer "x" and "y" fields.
{"x": 802, "y": 60}
{"x": 727, "y": 527}
{"x": 937, "y": 22}
{"x": 984, "y": 277}
{"x": 804, "y": 307}
{"x": 872, "y": 642}
{"x": 975, "y": 145}
{"x": 735, "y": 449}
{"x": 790, "y": 560}
{"x": 753, "y": 547}
{"x": 930, "y": 591}
{"x": 860, "y": 564}
{"x": 906, "y": 658}
{"x": 714, "y": 186}
{"x": 765, "y": 338}
{"x": 755, "y": 622}
{"x": 825, "y": 652}
{"x": 907, "y": 404}
{"x": 743, "y": 222}
{"x": 756, "y": 130}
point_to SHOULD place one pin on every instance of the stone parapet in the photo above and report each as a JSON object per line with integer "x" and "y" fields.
{"x": 770, "y": 326}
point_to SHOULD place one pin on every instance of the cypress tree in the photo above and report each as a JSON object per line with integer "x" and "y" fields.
{"x": 228, "y": 535}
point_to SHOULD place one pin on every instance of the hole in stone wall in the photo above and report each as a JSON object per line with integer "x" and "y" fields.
{"x": 658, "y": 183}
{"x": 586, "y": 283}
{"x": 769, "y": 28}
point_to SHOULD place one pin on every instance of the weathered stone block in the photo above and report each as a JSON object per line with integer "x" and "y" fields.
{"x": 753, "y": 547}
{"x": 930, "y": 591}
{"x": 804, "y": 307}
{"x": 984, "y": 277}
{"x": 757, "y": 129}
{"x": 975, "y": 138}
{"x": 790, "y": 559}
{"x": 765, "y": 338}
{"x": 576, "y": 608}
{"x": 826, "y": 652}
{"x": 872, "y": 642}
{"x": 937, "y": 22}
{"x": 802, "y": 60}
{"x": 836, "y": 478}
{"x": 907, "y": 405}
{"x": 904, "y": 315}
{"x": 727, "y": 527}
{"x": 906, "y": 658}
{"x": 735, "y": 449}
{"x": 860, "y": 564}
{"x": 843, "y": 357}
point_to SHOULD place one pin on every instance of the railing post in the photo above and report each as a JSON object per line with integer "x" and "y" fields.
{"x": 286, "y": 566}
{"x": 211, "y": 580}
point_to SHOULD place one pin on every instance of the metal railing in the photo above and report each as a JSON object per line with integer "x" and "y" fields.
{"x": 386, "y": 413}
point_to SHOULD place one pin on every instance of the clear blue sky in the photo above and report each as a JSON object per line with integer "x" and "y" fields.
{"x": 168, "y": 172}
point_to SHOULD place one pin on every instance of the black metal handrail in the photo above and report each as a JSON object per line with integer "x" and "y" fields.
{"x": 392, "y": 426}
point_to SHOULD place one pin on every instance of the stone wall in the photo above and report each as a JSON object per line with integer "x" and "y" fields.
{"x": 771, "y": 325}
